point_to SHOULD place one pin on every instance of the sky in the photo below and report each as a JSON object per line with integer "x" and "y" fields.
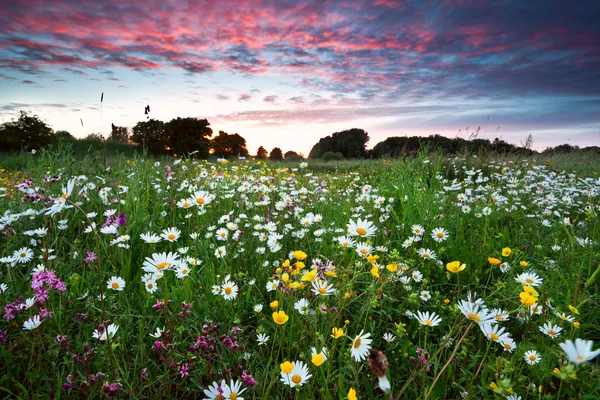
{"x": 286, "y": 73}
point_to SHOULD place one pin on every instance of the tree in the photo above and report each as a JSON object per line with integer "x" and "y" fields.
{"x": 350, "y": 143}
{"x": 119, "y": 134}
{"x": 150, "y": 136}
{"x": 276, "y": 154}
{"x": 63, "y": 135}
{"x": 95, "y": 136}
{"x": 292, "y": 156}
{"x": 261, "y": 152}
{"x": 226, "y": 145}
{"x": 187, "y": 135}
{"x": 27, "y": 132}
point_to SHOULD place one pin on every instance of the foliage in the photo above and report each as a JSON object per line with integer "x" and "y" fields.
{"x": 292, "y": 156}
{"x": 350, "y": 143}
{"x": 276, "y": 154}
{"x": 119, "y": 134}
{"x": 331, "y": 156}
{"x": 150, "y": 136}
{"x": 261, "y": 153}
{"x": 27, "y": 132}
{"x": 187, "y": 135}
{"x": 226, "y": 145}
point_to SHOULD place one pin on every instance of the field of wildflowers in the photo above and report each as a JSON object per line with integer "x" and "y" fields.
{"x": 423, "y": 278}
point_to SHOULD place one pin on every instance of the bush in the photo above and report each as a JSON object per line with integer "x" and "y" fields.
{"x": 331, "y": 156}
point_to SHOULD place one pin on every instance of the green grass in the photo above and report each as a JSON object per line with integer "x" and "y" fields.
{"x": 422, "y": 190}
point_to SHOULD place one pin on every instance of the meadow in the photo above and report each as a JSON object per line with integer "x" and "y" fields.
{"x": 426, "y": 277}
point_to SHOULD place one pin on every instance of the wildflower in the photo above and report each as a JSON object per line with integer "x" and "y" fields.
{"x": 302, "y": 306}
{"x": 299, "y": 255}
{"x": 352, "y": 394}
{"x": 336, "y": 333}
{"x": 439, "y": 234}
{"x": 215, "y": 391}
{"x": 220, "y": 252}
{"x": 392, "y": 267}
{"x": 160, "y": 262}
{"x": 116, "y": 283}
{"x": 417, "y": 230}
{"x": 229, "y": 290}
{"x": 529, "y": 278}
{"x": 389, "y": 337}
{"x": 309, "y": 276}
{"x": 580, "y": 351}
{"x": 573, "y": 310}
{"x": 508, "y": 344}
{"x": 32, "y": 323}
{"x": 494, "y": 261}
{"x": 529, "y": 296}
{"x": 158, "y": 333}
{"x": 427, "y": 254}
{"x": 551, "y": 330}
{"x": 523, "y": 263}
{"x": 23, "y": 255}
{"x": 363, "y": 249}
{"x": 232, "y": 391}
{"x": 280, "y": 317}
{"x": 258, "y": 308}
{"x": 375, "y": 271}
{"x": 261, "y": 338}
{"x": 361, "y": 346}
{"x": 506, "y": 252}
{"x": 106, "y": 332}
{"x": 274, "y": 304}
{"x": 476, "y": 312}
{"x": 318, "y": 358}
{"x": 298, "y": 376}
{"x": 182, "y": 271}
{"x": 362, "y": 228}
{"x": 425, "y": 296}
{"x": 455, "y": 266}
{"x": 428, "y": 319}
{"x": 532, "y": 357}
{"x": 500, "y": 315}
{"x": 494, "y": 332}
{"x": 320, "y": 288}
{"x": 346, "y": 241}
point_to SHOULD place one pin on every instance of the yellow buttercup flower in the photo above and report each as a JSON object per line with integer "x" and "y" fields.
{"x": 285, "y": 277}
{"x": 274, "y": 304}
{"x": 372, "y": 258}
{"x": 455, "y": 266}
{"x": 294, "y": 285}
{"x": 280, "y": 317}
{"x": 309, "y": 276}
{"x": 286, "y": 367}
{"x": 573, "y": 310}
{"x": 299, "y": 255}
{"x": 318, "y": 359}
{"x": 351, "y": 394}
{"x": 506, "y": 252}
{"x": 392, "y": 267}
{"x": 336, "y": 333}
{"x": 286, "y": 264}
{"x": 375, "y": 271}
{"x": 523, "y": 264}
{"x": 494, "y": 261}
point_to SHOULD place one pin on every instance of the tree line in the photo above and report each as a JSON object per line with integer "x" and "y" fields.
{"x": 194, "y": 136}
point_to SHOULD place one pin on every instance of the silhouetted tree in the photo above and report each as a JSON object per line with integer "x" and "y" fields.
{"x": 186, "y": 135}
{"x": 292, "y": 156}
{"x": 226, "y": 145}
{"x": 119, "y": 134}
{"x": 95, "y": 136}
{"x": 63, "y": 135}
{"x": 261, "y": 152}
{"x": 25, "y": 133}
{"x": 276, "y": 154}
{"x": 350, "y": 143}
{"x": 150, "y": 136}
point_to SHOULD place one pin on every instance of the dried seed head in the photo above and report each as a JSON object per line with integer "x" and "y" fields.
{"x": 378, "y": 362}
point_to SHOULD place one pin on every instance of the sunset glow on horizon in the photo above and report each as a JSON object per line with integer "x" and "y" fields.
{"x": 286, "y": 73}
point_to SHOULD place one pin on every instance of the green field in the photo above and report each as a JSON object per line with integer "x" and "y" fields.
{"x": 132, "y": 277}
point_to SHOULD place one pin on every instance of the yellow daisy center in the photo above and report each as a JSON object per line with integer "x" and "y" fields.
{"x": 361, "y": 231}
{"x": 529, "y": 280}
{"x": 171, "y": 236}
{"x": 322, "y": 290}
{"x": 474, "y": 317}
{"x": 356, "y": 344}
{"x": 494, "y": 337}
{"x": 219, "y": 397}
{"x": 507, "y": 346}
{"x": 233, "y": 396}
{"x": 296, "y": 379}
{"x": 186, "y": 204}
{"x": 23, "y": 255}
{"x": 427, "y": 322}
{"x": 115, "y": 285}
{"x": 439, "y": 235}
{"x": 150, "y": 286}
{"x": 200, "y": 200}
{"x": 184, "y": 271}
{"x": 163, "y": 265}
{"x": 532, "y": 357}
{"x": 363, "y": 251}
{"x": 499, "y": 318}
{"x": 579, "y": 358}
{"x": 551, "y": 332}
{"x": 228, "y": 290}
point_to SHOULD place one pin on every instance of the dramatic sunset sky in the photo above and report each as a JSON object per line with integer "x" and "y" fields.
{"x": 285, "y": 73}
